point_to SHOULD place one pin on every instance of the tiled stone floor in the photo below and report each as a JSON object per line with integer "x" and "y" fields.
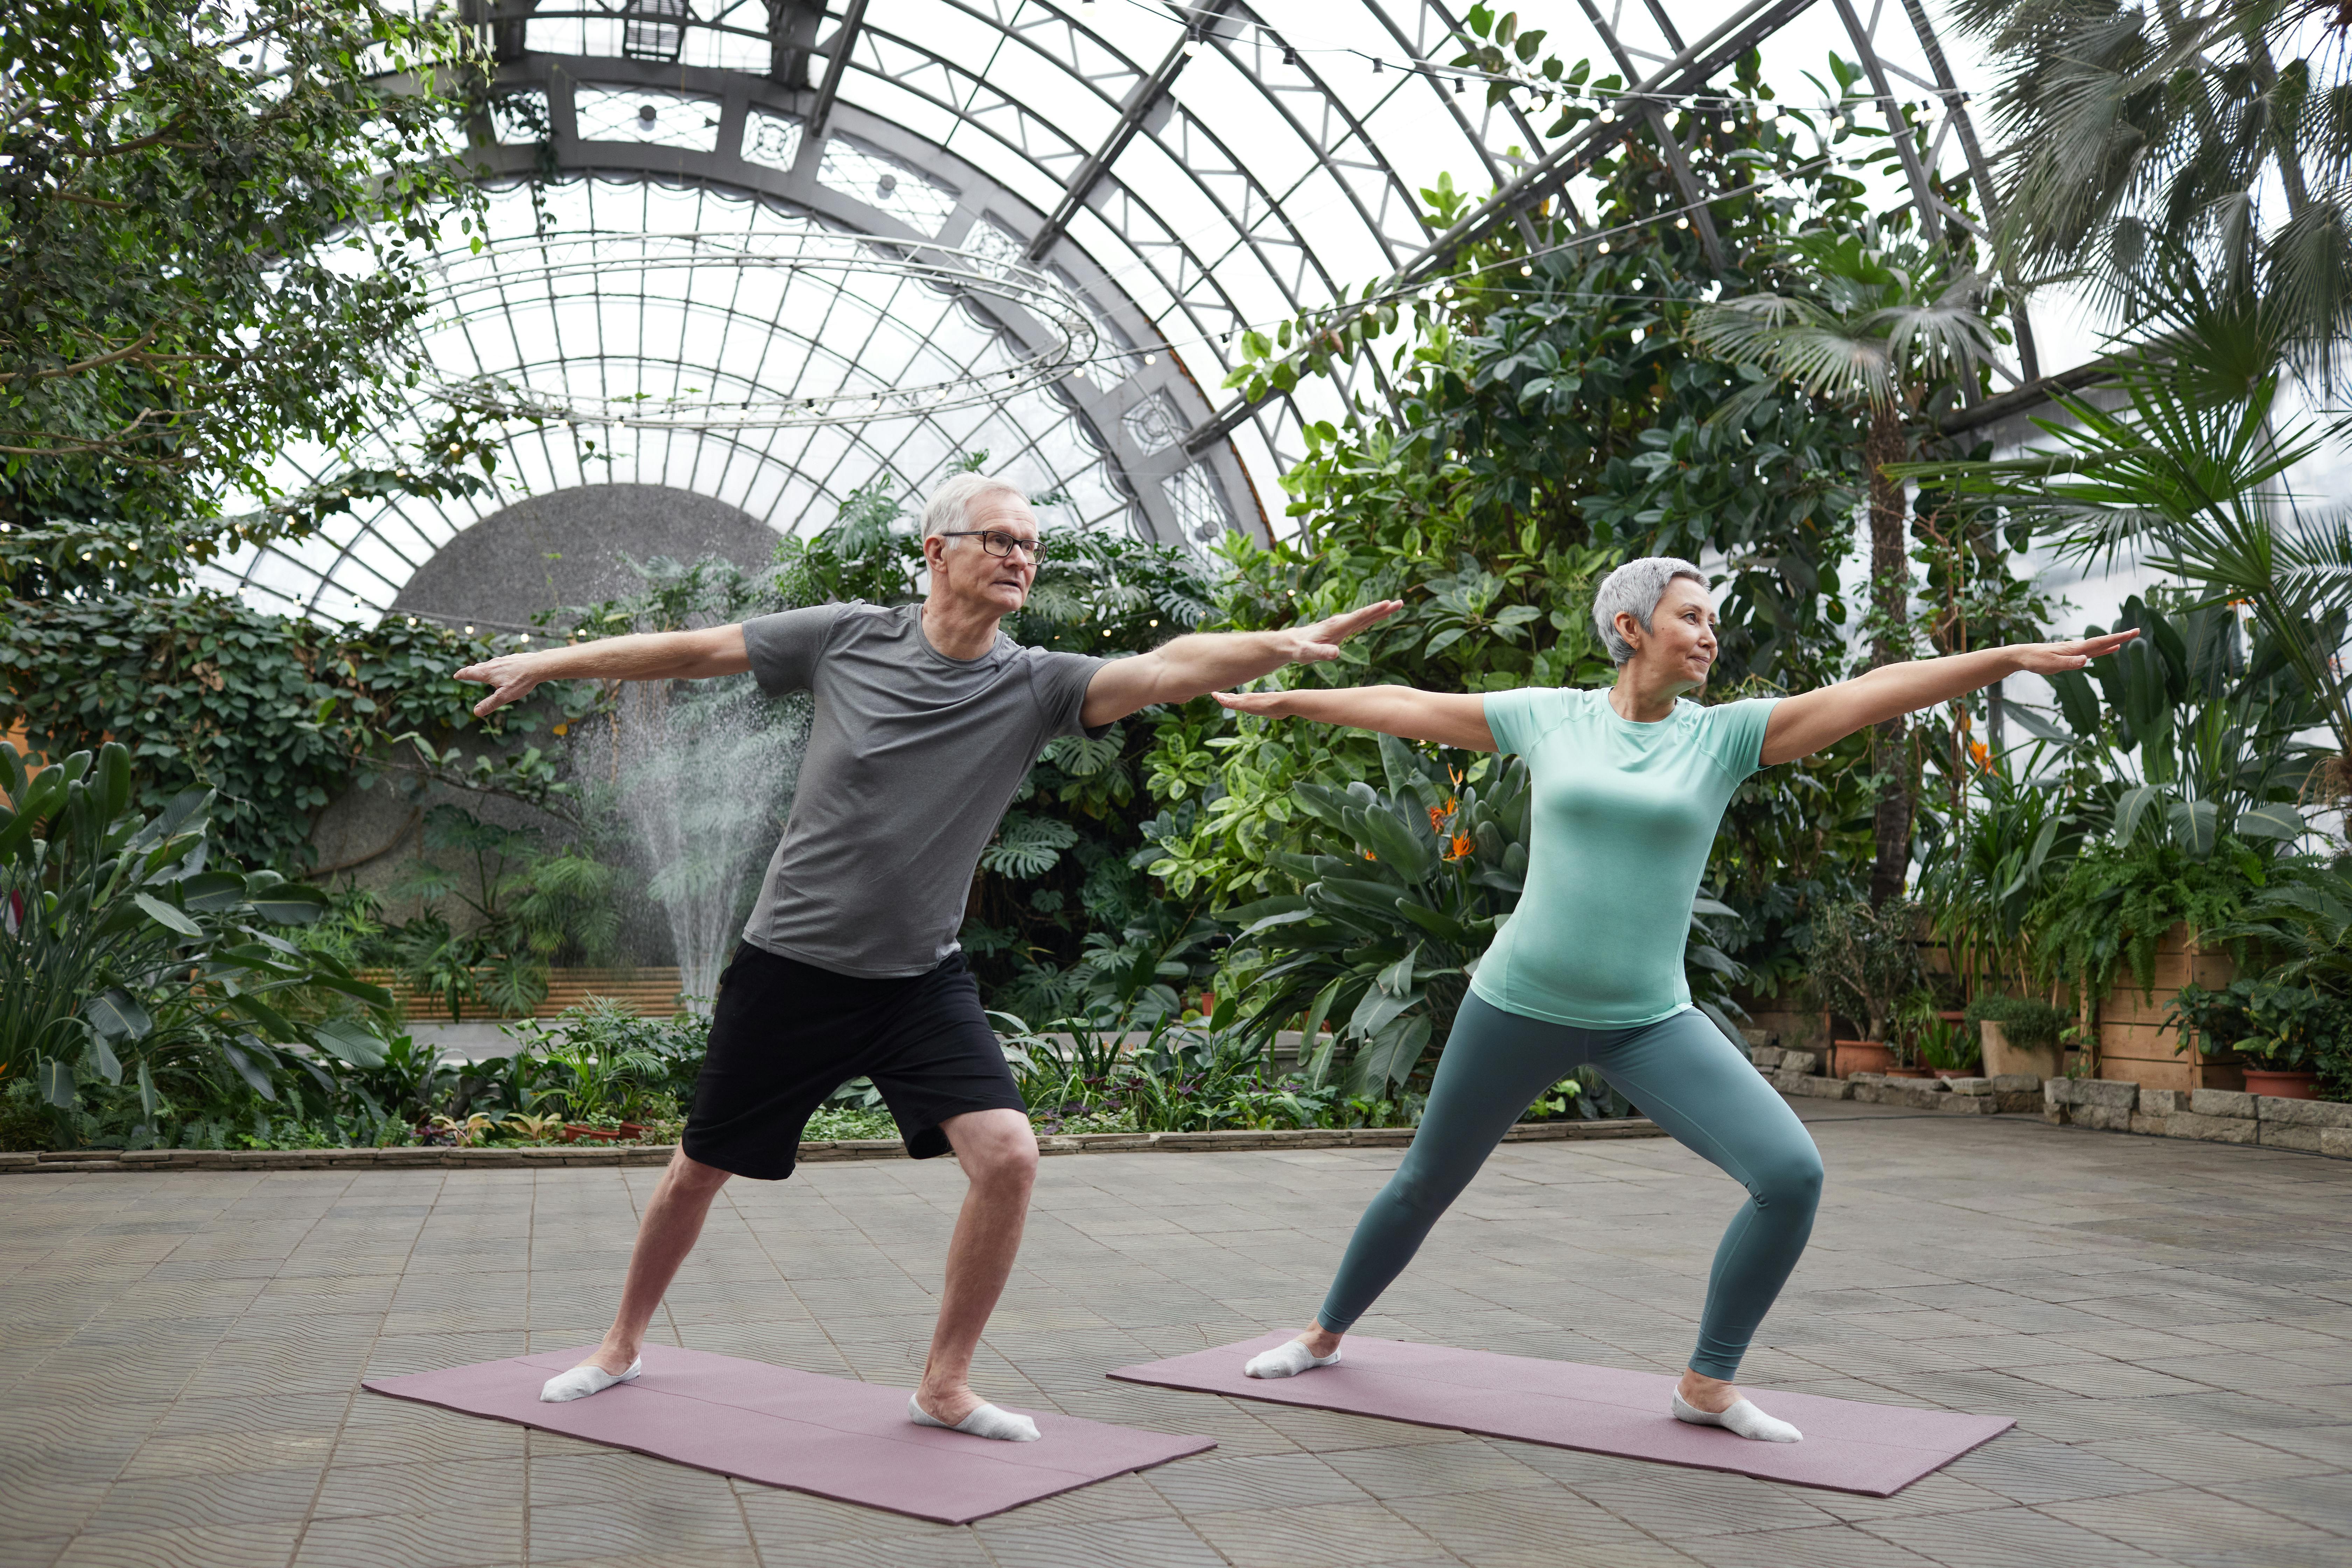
{"x": 2171, "y": 1323}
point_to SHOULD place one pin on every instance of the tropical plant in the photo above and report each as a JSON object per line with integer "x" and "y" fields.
{"x": 2303, "y": 920}
{"x": 1410, "y": 885}
{"x": 2276, "y": 1024}
{"x": 1862, "y": 963}
{"x": 1885, "y": 328}
{"x": 130, "y": 955}
{"x": 2146, "y": 137}
{"x": 526, "y": 905}
{"x": 2189, "y": 474}
{"x": 2018, "y": 834}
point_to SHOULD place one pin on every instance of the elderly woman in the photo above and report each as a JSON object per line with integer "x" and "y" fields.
{"x": 1629, "y": 784}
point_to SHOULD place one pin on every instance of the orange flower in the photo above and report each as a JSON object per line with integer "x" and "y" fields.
{"x": 1459, "y": 847}
{"x": 1439, "y": 816}
{"x": 1980, "y": 754}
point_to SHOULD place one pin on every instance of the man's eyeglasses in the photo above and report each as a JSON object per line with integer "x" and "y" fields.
{"x": 999, "y": 543}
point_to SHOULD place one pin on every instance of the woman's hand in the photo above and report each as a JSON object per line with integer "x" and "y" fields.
{"x": 1273, "y": 704}
{"x": 1448, "y": 718}
{"x": 2057, "y": 657}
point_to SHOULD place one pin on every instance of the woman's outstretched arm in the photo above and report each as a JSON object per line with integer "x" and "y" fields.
{"x": 1445, "y": 717}
{"x": 1811, "y": 719}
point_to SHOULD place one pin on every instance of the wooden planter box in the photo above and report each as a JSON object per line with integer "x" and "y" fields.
{"x": 648, "y": 993}
{"x": 2136, "y": 1045}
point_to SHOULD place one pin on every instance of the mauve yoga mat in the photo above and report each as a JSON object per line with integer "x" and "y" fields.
{"x": 1875, "y": 1449}
{"x": 831, "y": 1435}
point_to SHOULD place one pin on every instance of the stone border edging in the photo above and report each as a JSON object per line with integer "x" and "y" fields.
{"x": 817, "y": 1152}
{"x": 2111, "y": 1105}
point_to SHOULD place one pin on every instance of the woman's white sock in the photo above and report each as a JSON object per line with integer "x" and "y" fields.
{"x": 985, "y": 1421}
{"x": 1742, "y": 1418}
{"x": 1286, "y": 1361}
{"x": 583, "y": 1380}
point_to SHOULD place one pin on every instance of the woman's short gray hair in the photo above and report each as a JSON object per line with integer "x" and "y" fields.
{"x": 950, "y": 508}
{"x": 1634, "y": 589}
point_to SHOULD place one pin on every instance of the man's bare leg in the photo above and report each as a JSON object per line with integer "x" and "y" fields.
{"x": 998, "y": 1153}
{"x": 672, "y": 1221}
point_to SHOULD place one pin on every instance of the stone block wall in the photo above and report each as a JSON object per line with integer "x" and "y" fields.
{"x": 2112, "y": 1105}
{"x": 2208, "y": 1115}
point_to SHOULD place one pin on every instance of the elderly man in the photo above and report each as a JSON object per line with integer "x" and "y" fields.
{"x": 927, "y": 719}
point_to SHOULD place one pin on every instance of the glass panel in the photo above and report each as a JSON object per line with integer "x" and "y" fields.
{"x": 915, "y": 199}
{"x": 647, "y": 114}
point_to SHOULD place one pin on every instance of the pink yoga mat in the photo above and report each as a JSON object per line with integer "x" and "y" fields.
{"x": 1875, "y": 1449}
{"x": 831, "y": 1435}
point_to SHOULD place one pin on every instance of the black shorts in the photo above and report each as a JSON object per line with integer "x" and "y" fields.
{"x": 784, "y": 1035}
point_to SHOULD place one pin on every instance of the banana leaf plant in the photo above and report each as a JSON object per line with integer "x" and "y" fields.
{"x": 1409, "y": 887}
{"x": 126, "y": 955}
{"x": 2210, "y": 726}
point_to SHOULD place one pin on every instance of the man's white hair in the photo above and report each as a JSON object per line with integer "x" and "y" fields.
{"x": 950, "y": 508}
{"x": 1634, "y": 589}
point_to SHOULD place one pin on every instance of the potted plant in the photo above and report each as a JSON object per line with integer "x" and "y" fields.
{"x": 1906, "y": 1035}
{"x": 1950, "y": 1048}
{"x": 1863, "y": 964}
{"x": 2280, "y": 1030}
{"x": 2017, "y": 1034}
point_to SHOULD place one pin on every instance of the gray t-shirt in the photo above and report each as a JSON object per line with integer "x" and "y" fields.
{"x": 912, "y": 758}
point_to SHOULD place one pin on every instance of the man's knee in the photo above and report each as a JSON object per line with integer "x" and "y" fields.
{"x": 691, "y": 1175}
{"x": 995, "y": 1148}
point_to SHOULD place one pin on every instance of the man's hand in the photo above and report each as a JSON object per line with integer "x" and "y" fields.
{"x": 641, "y": 656}
{"x": 514, "y": 675}
{"x": 1202, "y": 662}
{"x": 1320, "y": 642}
{"x": 2057, "y": 657}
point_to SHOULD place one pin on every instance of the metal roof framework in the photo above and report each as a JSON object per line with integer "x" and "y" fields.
{"x": 1188, "y": 172}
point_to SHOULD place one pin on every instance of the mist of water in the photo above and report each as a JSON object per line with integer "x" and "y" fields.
{"x": 703, "y": 775}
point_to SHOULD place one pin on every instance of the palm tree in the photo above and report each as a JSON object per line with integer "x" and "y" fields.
{"x": 2141, "y": 134}
{"x": 1881, "y": 330}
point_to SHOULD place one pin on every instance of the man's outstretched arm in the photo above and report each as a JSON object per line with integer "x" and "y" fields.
{"x": 646, "y": 656}
{"x": 1202, "y": 662}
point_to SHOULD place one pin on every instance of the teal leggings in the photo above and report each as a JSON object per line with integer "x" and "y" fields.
{"x": 1682, "y": 1074}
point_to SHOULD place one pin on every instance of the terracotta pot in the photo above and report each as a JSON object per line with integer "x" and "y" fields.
{"x": 2000, "y": 1057}
{"x": 2282, "y": 1084}
{"x": 1909, "y": 1072}
{"x": 1850, "y": 1056}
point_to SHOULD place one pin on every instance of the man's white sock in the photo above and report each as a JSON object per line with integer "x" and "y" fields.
{"x": 985, "y": 1421}
{"x": 1286, "y": 1361}
{"x": 584, "y": 1380}
{"x": 1742, "y": 1418}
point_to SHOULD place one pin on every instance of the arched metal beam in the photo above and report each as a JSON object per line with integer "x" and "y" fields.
{"x": 738, "y": 94}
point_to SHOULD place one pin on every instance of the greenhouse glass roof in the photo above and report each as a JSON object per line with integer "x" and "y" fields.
{"x": 1101, "y": 195}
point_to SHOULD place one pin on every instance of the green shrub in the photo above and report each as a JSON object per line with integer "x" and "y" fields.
{"x": 2025, "y": 1022}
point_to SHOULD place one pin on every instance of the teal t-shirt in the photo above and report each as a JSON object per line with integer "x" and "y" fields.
{"x": 1621, "y": 820}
